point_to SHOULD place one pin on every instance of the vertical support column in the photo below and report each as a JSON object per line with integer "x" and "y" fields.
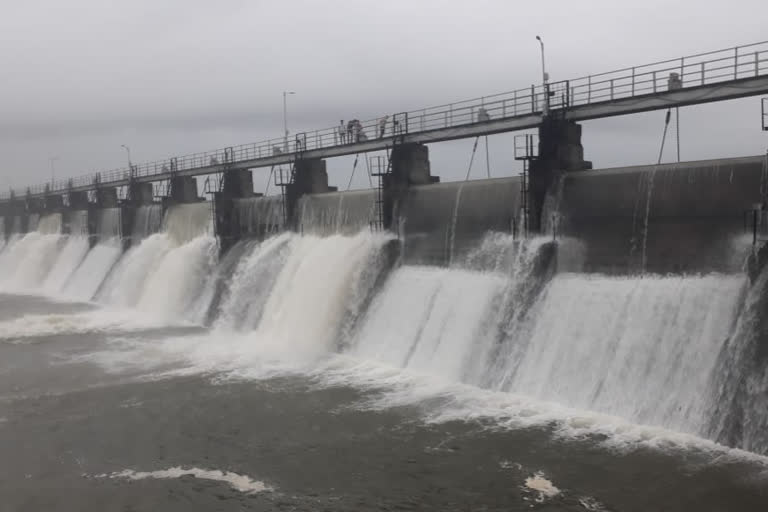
{"x": 409, "y": 166}
{"x": 236, "y": 184}
{"x": 560, "y": 151}
{"x": 311, "y": 177}
{"x": 138, "y": 194}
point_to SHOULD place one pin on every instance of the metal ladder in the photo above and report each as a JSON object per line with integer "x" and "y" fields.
{"x": 380, "y": 166}
{"x": 525, "y": 150}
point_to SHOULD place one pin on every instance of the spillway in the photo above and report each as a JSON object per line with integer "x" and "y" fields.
{"x": 453, "y": 294}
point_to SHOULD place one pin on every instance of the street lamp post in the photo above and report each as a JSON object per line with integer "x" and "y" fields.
{"x": 544, "y": 78}
{"x": 128, "y": 150}
{"x": 285, "y": 119}
{"x": 53, "y": 171}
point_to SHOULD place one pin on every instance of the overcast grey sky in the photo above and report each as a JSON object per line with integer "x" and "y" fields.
{"x": 82, "y": 77}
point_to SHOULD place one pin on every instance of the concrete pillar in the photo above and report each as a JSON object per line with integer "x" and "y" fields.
{"x": 78, "y": 200}
{"x": 141, "y": 193}
{"x": 560, "y": 151}
{"x": 237, "y": 184}
{"x": 54, "y": 203}
{"x": 16, "y": 208}
{"x": 35, "y": 204}
{"x": 138, "y": 194}
{"x": 184, "y": 190}
{"x": 410, "y": 166}
{"x": 106, "y": 197}
{"x": 311, "y": 178}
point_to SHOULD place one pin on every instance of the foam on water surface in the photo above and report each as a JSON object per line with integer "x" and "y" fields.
{"x": 240, "y": 483}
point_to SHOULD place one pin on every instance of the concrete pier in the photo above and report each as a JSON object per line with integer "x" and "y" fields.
{"x": 410, "y": 166}
{"x": 311, "y": 177}
{"x": 137, "y": 195}
{"x": 560, "y": 152}
{"x": 236, "y": 184}
{"x": 183, "y": 190}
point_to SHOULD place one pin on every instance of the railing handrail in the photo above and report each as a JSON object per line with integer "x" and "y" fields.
{"x": 620, "y": 83}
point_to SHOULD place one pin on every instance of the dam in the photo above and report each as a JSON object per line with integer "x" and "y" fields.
{"x": 625, "y": 303}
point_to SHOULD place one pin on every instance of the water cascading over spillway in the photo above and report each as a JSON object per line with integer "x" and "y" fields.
{"x": 300, "y": 295}
{"x": 72, "y": 254}
{"x": 27, "y": 260}
{"x": 647, "y": 349}
{"x": 147, "y": 221}
{"x": 89, "y": 276}
{"x": 447, "y": 321}
{"x": 640, "y": 348}
{"x": 166, "y": 274}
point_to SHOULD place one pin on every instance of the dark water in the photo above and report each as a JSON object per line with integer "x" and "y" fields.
{"x": 67, "y": 422}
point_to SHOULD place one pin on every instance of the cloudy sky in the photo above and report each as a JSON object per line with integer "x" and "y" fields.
{"x": 167, "y": 77}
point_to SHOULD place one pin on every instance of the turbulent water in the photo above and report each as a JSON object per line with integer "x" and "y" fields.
{"x": 498, "y": 336}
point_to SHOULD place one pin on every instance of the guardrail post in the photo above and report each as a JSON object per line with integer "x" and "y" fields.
{"x": 611, "y": 88}
{"x": 633, "y": 80}
{"x": 735, "y": 63}
{"x": 533, "y": 99}
{"x": 654, "y": 81}
{"x": 514, "y": 103}
{"x": 504, "y": 108}
{"x": 757, "y": 63}
{"x": 682, "y": 70}
{"x": 703, "y": 70}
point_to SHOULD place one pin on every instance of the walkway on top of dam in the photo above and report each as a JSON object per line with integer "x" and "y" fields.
{"x": 706, "y": 77}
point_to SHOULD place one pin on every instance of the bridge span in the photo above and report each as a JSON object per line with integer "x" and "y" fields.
{"x": 706, "y": 77}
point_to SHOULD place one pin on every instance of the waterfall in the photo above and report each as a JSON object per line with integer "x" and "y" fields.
{"x": 99, "y": 261}
{"x": 89, "y": 276}
{"x": 165, "y": 275}
{"x": 71, "y": 256}
{"x": 639, "y": 348}
{"x": 320, "y": 285}
{"x": 251, "y": 284}
{"x": 27, "y": 260}
{"x": 148, "y": 221}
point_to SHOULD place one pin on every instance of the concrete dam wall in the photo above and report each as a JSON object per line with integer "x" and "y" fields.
{"x": 640, "y": 307}
{"x": 687, "y": 217}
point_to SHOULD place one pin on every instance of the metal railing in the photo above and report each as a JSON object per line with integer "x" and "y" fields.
{"x": 691, "y": 71}
{"x": 764, "y": 105}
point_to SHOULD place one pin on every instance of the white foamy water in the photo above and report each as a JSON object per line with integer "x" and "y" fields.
{"x": 320, "y": 283}
{"x": 643, "y": 349}
{"x": 85, "y": 281}
{"x": 27, "y": 261}
{"x": 32, "y": 326}
{"x": 543, "y": 487}
{"x": 430, "y": 319}
{"x": 126, "y": 282}
{"x": 251, "y": 284}
{"x": 241, "y": 483}
{"x": 167, "y": 274}
{"x": 174, "y": 289}
{"x": 71, "y": 256}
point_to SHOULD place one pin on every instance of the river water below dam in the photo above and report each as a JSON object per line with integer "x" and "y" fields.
{"x": 308, "y": 372}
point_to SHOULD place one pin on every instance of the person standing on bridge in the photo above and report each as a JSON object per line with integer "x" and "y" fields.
{"x": 351, "y": 131}
{"x": 342, "y": 131}
{"x": 383, "y": 126}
